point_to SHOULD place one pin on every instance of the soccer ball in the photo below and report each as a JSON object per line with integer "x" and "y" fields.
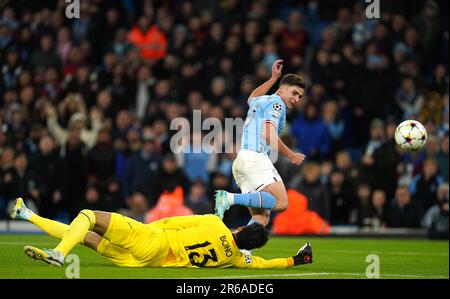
{"x": 410, "y": 135}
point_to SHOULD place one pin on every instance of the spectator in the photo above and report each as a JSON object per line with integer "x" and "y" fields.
{"x": 149, "y": 39}
{"x": 7, "y": 179}
{"x": 47, "y": 163}
{"x": 81, "y": 84}
{"x": 424, "y": 185}
{"x": 432, "y": 108}
{"x": 379, "y": 217}
{"x": 77, "y": 121}
{"x": 74, "y": 171}
{"x": 142, "y": 166}
{"x": 93, "y": 199}
{"x": 442, "y": 158}
{"x": 381, "y": 157}
{"x": 317, "y": 194}
{"x": 377, "y": 137}
{"x": 435, "y": 210}
{"x": 439, "y": 224}
{"x": 122, "y": 124}
{"x": 137, "y": 205}
{"x": 335, "y": 126}
{"x": 198, "y": 201}
{"x": 168, "y": 177}
{"x": 45, "y": 56}
{"x": 404, "y": 212}
{"x": 102, "y": 157}
{"x": 311, "y": 134}
{"x": 114, "y": 199}
{"x": 160, "y": 129}
{"x": 343, "y": 25}
{"x": 105, "y": 106}
{"x": 294, "y": 38}
{"x": 409, "y": 99}
{"x": 143, "y": 92}
{"x": 63, "y": 44}
{"x": 427, "y": 26}
{"x": 340, "y": 198}
{"x": 25, "y": 182}
{"x": 11, "y": 68}
{"x": 439, "y": 81}
{"x": 432, "y": 147}
{"x": 16, "y": 127}
{"x": 321, "y": 69}
{"x": 362, "y": 210}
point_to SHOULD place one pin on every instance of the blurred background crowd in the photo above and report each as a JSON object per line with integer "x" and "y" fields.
{"x": 86, "y": 104}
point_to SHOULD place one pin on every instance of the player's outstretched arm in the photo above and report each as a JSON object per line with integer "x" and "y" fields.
{"x": 256, "y": 262}
{"x": 303, "y": 256}
{"x": 277, "y": 66}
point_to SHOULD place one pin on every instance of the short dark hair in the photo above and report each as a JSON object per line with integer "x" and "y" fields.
{"x": 293, "y": 80}
{"x": 252, "y": 236}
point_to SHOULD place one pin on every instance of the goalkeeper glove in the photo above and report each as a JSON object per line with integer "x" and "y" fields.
{"x": 304, "y": 255}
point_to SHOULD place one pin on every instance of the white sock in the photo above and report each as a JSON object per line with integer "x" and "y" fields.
{"x": 230, "y": 197}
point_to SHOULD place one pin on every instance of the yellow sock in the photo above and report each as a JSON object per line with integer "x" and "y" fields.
{"x": 77, "y": 230}
{"x": 53, "y": 228}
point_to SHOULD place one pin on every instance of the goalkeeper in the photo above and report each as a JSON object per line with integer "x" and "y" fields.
{"x": 187, "y": 241}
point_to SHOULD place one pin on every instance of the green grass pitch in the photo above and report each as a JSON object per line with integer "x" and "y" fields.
{"x": 333, "y": 258}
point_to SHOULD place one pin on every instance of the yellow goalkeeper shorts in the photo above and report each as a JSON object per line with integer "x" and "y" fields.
{"x": 133, "y": 244}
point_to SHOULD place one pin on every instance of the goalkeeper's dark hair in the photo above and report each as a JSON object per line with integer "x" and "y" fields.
{"x": 293, "y": 80}
{"x": 252, "y": 236}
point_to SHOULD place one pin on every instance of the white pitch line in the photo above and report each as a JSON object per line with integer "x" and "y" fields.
{"x": 369, "y": 251}
{"x": 25, "y": 243}
{"x": 320, "y": 274}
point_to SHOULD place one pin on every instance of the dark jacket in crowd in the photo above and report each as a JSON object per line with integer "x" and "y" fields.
{"x": 408, "y": 216}
{"x": 318, "y": 198}
{"x": 141, "y": 170}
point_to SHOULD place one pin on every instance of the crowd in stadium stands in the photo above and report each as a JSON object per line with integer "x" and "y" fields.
{"x": 86, "y": 105}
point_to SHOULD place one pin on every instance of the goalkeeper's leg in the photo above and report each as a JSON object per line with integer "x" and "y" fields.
{"x": 72, "y": 235}
{"x": 85, "y": 221}
{"x": 53, "y": 228}
{"x": 117, "y": 254}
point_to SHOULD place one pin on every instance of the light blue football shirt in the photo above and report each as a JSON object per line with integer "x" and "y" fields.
{"x": 267, "y": 108}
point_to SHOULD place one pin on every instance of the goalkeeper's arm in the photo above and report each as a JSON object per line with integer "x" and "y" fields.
{"x": 303, "y": 256}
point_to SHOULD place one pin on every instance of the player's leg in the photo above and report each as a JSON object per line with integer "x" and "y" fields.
{"x": 254, "y": 173}
{"x": 84, "y": 222}
{"x": 259, "y": 215}
{"x": 75, "y": 235}
{"x": 77, "y": 230}
{"x": 260, "y": 200}
{"x": 53, "y": 228}
{"x": 278, "y": 190}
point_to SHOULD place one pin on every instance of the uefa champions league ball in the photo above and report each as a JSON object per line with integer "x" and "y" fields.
{"x": 410, "y": 135}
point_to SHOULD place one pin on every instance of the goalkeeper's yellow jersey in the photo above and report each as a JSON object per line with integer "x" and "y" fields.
{"x": 205, "y": 241}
